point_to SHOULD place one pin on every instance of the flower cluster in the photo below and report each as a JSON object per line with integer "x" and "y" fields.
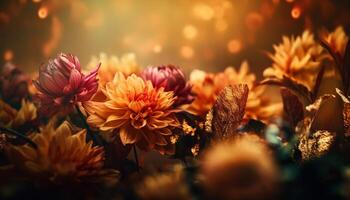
{"x": 235, "y": 140}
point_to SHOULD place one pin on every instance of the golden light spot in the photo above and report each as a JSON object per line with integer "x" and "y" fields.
{"x": 36, "y": 1}
{"x": 254, "y": 21}
{"x": 203, "y": 11}
{"x": 43, "y": 12}
{"x": 221, "y": 25}
{"x": 187, "y": 52}
{"x": 157, "y": 48}
{"x": 8, "y": 55}
{"x": 190, "y": 32}
{"x": 234, "y": 46}
{"x": 296, "y": 12}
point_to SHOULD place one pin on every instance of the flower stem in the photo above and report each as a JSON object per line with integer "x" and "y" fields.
{"x": 86, "y": 125}
{"x": 136, "y": 159}
{"x": 18, "y": 135}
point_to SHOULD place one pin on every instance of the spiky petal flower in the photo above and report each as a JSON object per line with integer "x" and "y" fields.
{"x": 62, "y": 155}
{"x": 143, "y": 114}
{"x": 61, "y": 84}
{"x": 298, "y": 58}
{"x": 337, "y": 40}
{"x": 11, "y": 118}
{"x": 171, "y": 78}
{"x": 111, "y": 64}
{"x": 241, "y": 168}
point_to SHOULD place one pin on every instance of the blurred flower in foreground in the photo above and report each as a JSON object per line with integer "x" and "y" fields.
{"x": 62, "y": 155}
{"x": 13, "y": 85}
{"x": 11, "y": 118}
{"x": 207, "y": 86}
{"x": 110, "y": 65}
{"x": 171, "y": 78}
{"x": 337, "y": 40}
{"x": 242, "y": 168}
{"x": 298, "y": 58}
{"x": 163, "y": 186}
{"x": 143, "y": 114}
{"x": 61, "y": 84}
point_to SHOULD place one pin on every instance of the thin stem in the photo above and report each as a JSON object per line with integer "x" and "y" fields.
{"x": 18, "y": 135}
{"x": 136, "y": 159}
{"x": 87, "y": 127}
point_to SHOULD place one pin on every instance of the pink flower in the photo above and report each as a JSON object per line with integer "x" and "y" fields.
{"x": 171, "y": 78}
{"x": 61, "y": 84}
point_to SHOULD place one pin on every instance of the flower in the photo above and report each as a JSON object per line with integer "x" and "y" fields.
{"x": 61, "y": 155}
{"x": 13, "y": 85}
{"x": 207, "y": 86}
{"x": 111, "y": 64}
{"x": 171, "y": 78}
{"x": 11, "y": 118}
{"x": 336, "y": 40}
{"x": 163, "y": 186}
{"x": 61, "y": 84}
{"x": 242, "y": 168}
{"x": 143, "y": 114}
{"x": 298, "y": 58}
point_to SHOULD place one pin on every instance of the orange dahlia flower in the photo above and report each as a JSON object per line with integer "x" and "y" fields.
{"x": 142, "y": 113}
{"x": 62, "y": 155}
{"x": 208, "y": 85}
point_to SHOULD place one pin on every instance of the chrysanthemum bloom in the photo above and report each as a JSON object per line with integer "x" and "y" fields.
{"x": 142, "y": 113}
{"x": 61, "y": 84}
{"x": 165, "y": 186}
{"x": 337, "y": 40}
{"x": 110, "y": 65}
{"x": 11, "y": 118}
{"x": 207, "y": 86}
{"x": 242, "y": 168}
{"x": 171, "y": 78}
{"x": 60, "y": 156}
{"x": 298, "y": 58}
{"x": 13, "y": 85}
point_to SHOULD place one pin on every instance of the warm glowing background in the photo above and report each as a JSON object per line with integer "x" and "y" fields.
{"x": 208, "y": 34}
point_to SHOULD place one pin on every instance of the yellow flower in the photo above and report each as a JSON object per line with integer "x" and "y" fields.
{"x": 142, "y": 113}
{"x": 111, "y": 64}
{"x": 11, "y": 118}
{"x": 61, "y": 155}
{"x": 207, "y": 86}
{"x": 337, "y": 40}
{"x": 298, "y": 58}
{"x": 240, "y": 168}
{"x": 168, "y": 186}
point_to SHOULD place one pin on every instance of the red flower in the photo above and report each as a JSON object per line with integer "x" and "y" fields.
{"x": 171, "y": 78}
{"x": 61, "y": 84}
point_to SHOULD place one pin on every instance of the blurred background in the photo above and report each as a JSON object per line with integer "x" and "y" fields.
{"x": 208, "y": 34}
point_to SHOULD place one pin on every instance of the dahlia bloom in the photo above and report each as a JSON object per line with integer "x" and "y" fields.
{"x": 61, "y": 84}
{"x": 11, "y": 118}
{"x": 171, "y": 78}
{"x": 62, "y": 155}
{"x": 13, "y": 85}
{"x": 207, "y": 86}
{"x": 143, "y": 114}
{"x": 298, "y": 58}
{"x": 170, "y": 185}
{"x": 126, "y": 64}
{"x": 240, "y": 168}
